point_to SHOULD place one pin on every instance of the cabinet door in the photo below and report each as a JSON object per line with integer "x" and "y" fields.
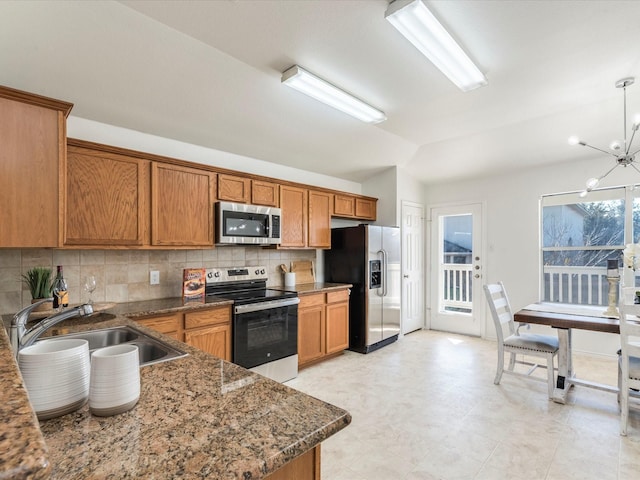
{"x": 233, "y": 188}
{"x": 105, "y": 198}
{"x": 320, "y": 219}
{"x": 337, "y": 327}
{"x": 170, "y": 325}
{"x": 344, "y": 206}
{"x": 365, "y": 209}
{"x": 214, "y": 340}
{"x": 293, "y": 202}
{"x": 181, "y": 205}
{"x": 311, "y": 334}
{"x": 264, "y": 193}
{"x": 32, "y": 147}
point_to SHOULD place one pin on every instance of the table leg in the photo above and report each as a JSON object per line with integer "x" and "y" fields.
{"x": 565, "y": 367}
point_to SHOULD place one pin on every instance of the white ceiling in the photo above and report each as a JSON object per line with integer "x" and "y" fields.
{"x": 208, "y": 73}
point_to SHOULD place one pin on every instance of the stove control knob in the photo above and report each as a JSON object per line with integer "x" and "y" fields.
{"x": 262, "y": 271}
{"x": 257, "y": 272}
{"x": 216, "y": 274}
{"x": 209, "y": 274}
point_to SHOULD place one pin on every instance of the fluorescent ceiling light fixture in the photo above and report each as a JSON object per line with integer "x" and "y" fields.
{"x": 422, "y": 29}
{"x": 307, "y": 83}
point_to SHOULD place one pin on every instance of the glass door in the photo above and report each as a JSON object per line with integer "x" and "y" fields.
{"x": 456, "y": 269}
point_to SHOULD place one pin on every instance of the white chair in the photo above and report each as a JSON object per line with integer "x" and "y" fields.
{"x": 629, "y": 361}
{"x": 510, "y": 340}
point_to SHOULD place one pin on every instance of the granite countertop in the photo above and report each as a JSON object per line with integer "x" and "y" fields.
{"x": 308, "y": 288}
{"x": 164, "y": 305}
{"x": 198, "y": 417}
{"x": 175, "y": 304}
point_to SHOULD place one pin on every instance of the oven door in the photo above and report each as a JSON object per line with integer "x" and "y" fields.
{"x": 265, "y": 331}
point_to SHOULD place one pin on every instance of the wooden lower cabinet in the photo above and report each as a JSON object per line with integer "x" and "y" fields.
{"x": 208, "y": 329}
{"x": 337, "y": 319}
{"x": 305, "y": 467}
{"x": 214, "y": 340}
{"x": 311, "y": 333}
{"x": 170, "y": 325}
{"x": 323, "y": 325}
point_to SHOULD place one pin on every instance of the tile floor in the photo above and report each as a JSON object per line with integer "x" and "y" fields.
{"x": 426, "y": 408}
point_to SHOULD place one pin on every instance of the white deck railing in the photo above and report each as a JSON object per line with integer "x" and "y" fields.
{"x": 577, "y": 285}
{"x": 457, "y": 292}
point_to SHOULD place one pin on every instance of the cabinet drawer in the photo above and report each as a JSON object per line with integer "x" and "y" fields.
{"x": 207, "y": 317}
{"x": 338, "y": 296}
{"x": 311, "y": 300}
{"x": 163, "y": 324}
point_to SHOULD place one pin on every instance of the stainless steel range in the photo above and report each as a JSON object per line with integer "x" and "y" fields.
{"x": 265, "y": 321}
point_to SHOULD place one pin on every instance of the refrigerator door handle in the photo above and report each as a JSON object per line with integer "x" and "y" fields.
{"x": 385, "y": 266}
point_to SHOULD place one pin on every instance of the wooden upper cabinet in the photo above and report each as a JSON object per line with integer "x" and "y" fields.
{"x": 32, "y": 153}
{"x": 106, "y": 198}
{"x": 181, "y": 205}
{"x": 293, "y": 202}
{"x": 344, "y": 205}
{"x": 234, "y": 189}
{"x": 319, "y": 219}
{"x": 353, "y": 206}
{"x": 265, "y": 193}
{"x": 365, "y": 208}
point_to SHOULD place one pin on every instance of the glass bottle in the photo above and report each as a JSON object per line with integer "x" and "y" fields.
{"x": 59, "y": 290}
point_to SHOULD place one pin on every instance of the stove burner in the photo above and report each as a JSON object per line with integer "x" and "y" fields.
{"x": 243, "y": 285}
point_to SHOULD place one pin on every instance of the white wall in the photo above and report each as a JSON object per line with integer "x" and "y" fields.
{"x": 384, "y": 187}
{"x": 92, "y": 131}
{"x": 391, "y": 187}
{"x": 512, "y": 229}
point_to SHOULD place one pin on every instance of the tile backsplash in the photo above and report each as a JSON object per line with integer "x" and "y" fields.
{"x": 123, "y": 275}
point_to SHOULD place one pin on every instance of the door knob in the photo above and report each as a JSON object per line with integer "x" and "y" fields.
{"x": 477, "y": 267}
{"x": 477, "y": 275}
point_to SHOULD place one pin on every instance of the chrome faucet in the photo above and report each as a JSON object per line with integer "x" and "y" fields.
{"x": 21, "y": 337}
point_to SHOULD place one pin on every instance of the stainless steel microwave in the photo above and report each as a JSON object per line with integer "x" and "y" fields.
{"x": 239, "y": 223}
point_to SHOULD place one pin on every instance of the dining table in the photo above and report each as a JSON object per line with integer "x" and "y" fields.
{"x": 565, "y": 318}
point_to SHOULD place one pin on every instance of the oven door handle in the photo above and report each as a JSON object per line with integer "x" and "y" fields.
{"x": 256, "y": 307}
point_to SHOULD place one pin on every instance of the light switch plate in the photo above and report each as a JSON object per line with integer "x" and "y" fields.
{"x": 154, "y": 277}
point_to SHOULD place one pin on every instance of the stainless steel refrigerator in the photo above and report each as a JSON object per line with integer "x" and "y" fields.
{"x": 368, "y": 257}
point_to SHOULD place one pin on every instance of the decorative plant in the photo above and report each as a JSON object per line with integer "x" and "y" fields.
{"x": 38, "y": 279}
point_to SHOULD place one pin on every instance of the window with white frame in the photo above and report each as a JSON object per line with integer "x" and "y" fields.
{"x": 578, "y": 236}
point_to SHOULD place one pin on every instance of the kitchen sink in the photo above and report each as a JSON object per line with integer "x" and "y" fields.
{"x": 150, "y": 349}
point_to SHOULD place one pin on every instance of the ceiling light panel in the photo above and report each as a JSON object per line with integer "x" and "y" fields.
{"x": 298, "y": 78}
{"x": 418, "y": 25}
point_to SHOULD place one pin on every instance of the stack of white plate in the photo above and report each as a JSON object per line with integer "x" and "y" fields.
{"x": 56, "y": 374}
{"x": 115, "y": 380}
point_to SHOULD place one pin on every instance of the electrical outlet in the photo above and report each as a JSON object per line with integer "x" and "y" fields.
{"x": 154, "y": 277}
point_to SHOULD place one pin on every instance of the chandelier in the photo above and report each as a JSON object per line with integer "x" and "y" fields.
{"x": 621, "y": 152}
